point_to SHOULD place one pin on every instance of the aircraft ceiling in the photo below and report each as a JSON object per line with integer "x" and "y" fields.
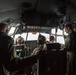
{"x": 12, "y": 8}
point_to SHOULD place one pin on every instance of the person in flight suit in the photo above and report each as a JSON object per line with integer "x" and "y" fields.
{"x": 52, "y": 39}
{"x": 70, "y": 46}
{"x": 41, "y": 48}
{"x": 42, "y": 45}
{"x": 21, "y": 50}
{"x": 6, "y": 53}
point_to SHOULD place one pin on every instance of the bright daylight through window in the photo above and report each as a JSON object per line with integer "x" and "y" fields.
{"x": 60, "y": 37}
{"x": 31, "y": 36}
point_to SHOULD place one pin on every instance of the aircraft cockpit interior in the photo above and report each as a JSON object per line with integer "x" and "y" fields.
{"x": 37, "y": 26}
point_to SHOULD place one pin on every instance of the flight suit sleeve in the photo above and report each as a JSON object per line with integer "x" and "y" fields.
{"x": 7, "y": 57}
{"x": 70, "y": 43}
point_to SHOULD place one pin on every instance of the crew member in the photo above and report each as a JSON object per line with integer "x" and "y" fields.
{"x": 6, "y": 53}
{"x": 20, "y": 48}
{"x": 42, "y": 45}
{"x": 52, "y": 39}
{"x": 70, "y": 45}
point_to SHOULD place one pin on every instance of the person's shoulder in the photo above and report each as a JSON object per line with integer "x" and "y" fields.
{"x": 7, "y": 39}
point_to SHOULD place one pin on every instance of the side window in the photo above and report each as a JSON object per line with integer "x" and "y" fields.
{"x": 11, "y": 31}
{"x": 59, "y": 35}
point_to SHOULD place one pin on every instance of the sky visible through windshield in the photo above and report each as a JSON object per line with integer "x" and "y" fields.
{"x": 31, "y": 36}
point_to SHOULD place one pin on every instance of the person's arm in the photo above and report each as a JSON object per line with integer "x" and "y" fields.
{"x": 64, "y": 35}
{"x": 69, "y": 43}
{"x": 10, "y": 63}
{"x": 7, "y": 54}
